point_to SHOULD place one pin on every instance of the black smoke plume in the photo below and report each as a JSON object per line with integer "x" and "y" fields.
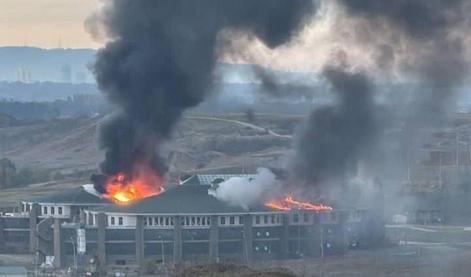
{"x": 424, "y": 38}
{"x": 334, "y": 138}
{"x": 160, "y": 62}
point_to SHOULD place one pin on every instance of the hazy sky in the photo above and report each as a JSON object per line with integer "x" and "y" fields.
{"x": 46, "y": 23}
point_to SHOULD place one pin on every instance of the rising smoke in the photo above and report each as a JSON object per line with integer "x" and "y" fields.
{"x": 161, "y": 55}
{"x": 335, "y": 138}
{"x": 424, "y": 39}
{"x": 246, "y": 191}
{"x": 160, "y": 60}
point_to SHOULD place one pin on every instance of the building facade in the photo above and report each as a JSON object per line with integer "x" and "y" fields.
{"x": 185, "y": 223}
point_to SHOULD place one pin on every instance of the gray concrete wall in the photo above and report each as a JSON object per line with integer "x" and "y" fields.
{"x": 2, "y": 234}
{"x": 315, "y": 247}
{"x": 177, "y": 240}
{"x": 58, "y": 245}
{"x": 139, "y": 240}
{"x": 45, "y": 238}
{"x": 101, "y": 243}
{"x": 214, "y": 240}
{"x": 33, "y": 220}
{"x": 247, "y": 251}
{"x": 284, "y": 235}
{"x": 82, "y": 217}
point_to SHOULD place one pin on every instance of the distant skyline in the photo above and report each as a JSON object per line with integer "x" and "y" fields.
{"x": 46, "y": 23}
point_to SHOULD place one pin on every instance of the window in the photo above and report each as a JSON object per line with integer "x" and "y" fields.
{"x": 273, "y": 219}
{"x": 198, "y": 221}
{"x": 232, "y": 220}
{"x": 241, "y": 220}
{"x": 295, "y": 218}
{"x": 187, "y": 221}
{"x": 333, "y": 216}
{"x": 167, "y": 221}
{"x": 223, "y": 220}
{"x": 112, "y": 221}
{"x": 193, "y": 221}
{"x": 161, "y": 221}
{"x": 120, "y": 220}
{"x": 306, "y": 217}
{"x": 257, "y": 219}
{"x": 265, "y": 219}
{"x": 120, "y": 262}
{"x": 203, "y": 221}
{"x": 90, "y": 219}
{"x": 208, "y": 220}
{"x": 59, "y": 210}
{"x": 53, "y": 210}
{"x": 45, "y": 210}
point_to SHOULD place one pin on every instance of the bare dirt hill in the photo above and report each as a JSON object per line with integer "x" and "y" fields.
{"x": 201, "y": 143}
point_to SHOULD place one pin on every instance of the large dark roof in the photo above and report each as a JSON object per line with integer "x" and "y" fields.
{"x": 78, "y": 196}
{"x": 180, "y": 200}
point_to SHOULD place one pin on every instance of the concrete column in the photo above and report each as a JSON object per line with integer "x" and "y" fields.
{"x": 33, "y": 221}
{"x": 101, "y": 247}
{"x": 2, "y": 234}
{"x": 214, "y": 239}
{"x": 139, "y": 240}
{"x": 343, "y": 227}
{"x": 45, "y": 236}
{"x": 247, "y": 239}
{"x": 82, "y": 217}
{"x": 177, "y": 239}
{"x": 74, "y": 214}
{"x": 284, "y": 235}
{"x": 19, "y": 206}
{"x": 58, "y": 242}
{"x": 315, "y": 247}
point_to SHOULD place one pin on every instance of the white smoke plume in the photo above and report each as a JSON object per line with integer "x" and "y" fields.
{"x": 245, "y": 192}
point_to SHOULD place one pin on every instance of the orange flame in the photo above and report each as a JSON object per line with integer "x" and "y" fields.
{"x": 289, "y": 203}
{"x": 143, "y": 184}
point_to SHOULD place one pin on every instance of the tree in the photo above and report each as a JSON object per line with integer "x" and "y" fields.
{"x": 7, "y": 173}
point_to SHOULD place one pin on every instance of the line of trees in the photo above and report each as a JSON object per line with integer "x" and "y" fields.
{"x": 10, "y": 176}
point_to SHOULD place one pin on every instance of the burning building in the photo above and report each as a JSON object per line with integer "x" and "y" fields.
{"x": 185, "y": 223}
